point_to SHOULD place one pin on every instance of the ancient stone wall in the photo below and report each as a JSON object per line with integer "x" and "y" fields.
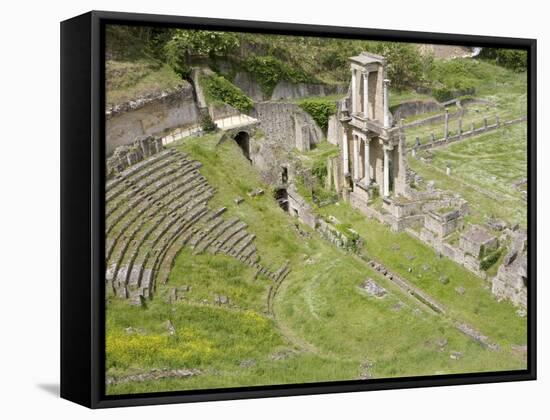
{"x": 475, "y": 240}
{"x": 299, "y": 208}
{"x": 248, "y": 84}
{"x": 151, "y": 117}
{"x": 415, "y": 107}
{"x": 128, "y": 155}
{"x": 335, "y": 130}
{"x": 284, "y": 90}
{"x": 281, "y": 120}
{"x": 443, "y": 224}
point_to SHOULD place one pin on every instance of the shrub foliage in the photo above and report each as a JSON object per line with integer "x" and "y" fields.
{"x": 319, "y": 109}
{"x": 218, "y": 89}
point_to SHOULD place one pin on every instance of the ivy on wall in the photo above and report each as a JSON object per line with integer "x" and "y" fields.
{"x": 218, "y": 89}
{"x": 320, "y": 110}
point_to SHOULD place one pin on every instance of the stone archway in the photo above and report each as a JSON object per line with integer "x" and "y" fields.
{"x": 243, "y": 140}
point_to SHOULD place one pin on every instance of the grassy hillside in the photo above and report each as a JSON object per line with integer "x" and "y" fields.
{"x": 323, "y": 326}
{"x": 129, "y": 80}
{"x": 484, "y": 169}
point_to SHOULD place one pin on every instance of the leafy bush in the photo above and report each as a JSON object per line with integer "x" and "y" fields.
{"x": 509, "y": 58}
{"x": 269, "y": 71}
{"x": 488, "y": 261}
{"x": 186, "y": 43}
{"x": 219, "y": 89}
{"x": 454, "y": 78}
{"x": 442, "y": 94}
{"x": 208, "y": 125}
{"x": 406, "y": 66}
{"x": 319, "y": 170}
{"x": 319, "y": 109}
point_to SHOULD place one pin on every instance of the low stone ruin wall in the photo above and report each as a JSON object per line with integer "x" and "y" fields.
{"x": 331, "y": 234}
{"x": 486, "y": 127}
{"x": 435, "y": 119}
{"x": 150, "y": 116}
{"x": 415, "y": 107}
{"x": 298, "y": 207}
{"x": 125, "y": 156}
{"x": 284, "y": 90}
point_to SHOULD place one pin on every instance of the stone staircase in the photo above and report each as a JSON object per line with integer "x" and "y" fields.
{"x": 155, "y": 208}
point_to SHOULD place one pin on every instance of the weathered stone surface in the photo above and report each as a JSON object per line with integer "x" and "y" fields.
{"x": 173, "y": 295}
{"x": 125, "y": 156}
{"x": 282, "y": 355}
{"x": 373, "y": 289}
{"x": 247, "y": 363}
{"x": 496, "y": 224}
{"x": 150, "y": 115}
{"x": 256, "y": 192}
{"x": 221, "y": 300}
{"x": 154, "y": 374}
{"x": 444, "y": 279}
{"x": 415, "y": 107}
{"x": 476, "y": 239}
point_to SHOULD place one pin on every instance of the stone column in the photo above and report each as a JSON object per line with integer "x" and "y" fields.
{"x": 353, "y": 91}
{"x": 386, "y": 171}
{"x": 446, "y": 123}
{"x": 366, "y": 178}
{"x": 345, "y": 153}
{"x": 356, "y": 166}
{"x": 366, "y": 94}
{"x": 386, "y": 104}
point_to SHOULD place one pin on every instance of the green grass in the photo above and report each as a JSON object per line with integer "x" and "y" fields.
{"x": 505, "y": 90}
{"x": 483, "y": 171}
{"x": 478, "y": 307}
{"x": 319, "y": 153}
{"x": 326, "y": 323}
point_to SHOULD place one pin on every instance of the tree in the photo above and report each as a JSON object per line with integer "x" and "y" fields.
{"x": 406, "y": 67}
{"x": 187, "y": 43}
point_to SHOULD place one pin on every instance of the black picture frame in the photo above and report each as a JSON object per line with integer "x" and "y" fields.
{"x": 83, "y": 204}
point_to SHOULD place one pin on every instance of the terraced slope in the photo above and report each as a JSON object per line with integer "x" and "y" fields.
{"x": 154, "y": 209}
{"x": 303, "y": 315}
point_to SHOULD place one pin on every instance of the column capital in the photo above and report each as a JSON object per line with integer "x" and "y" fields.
{"x": 387, "y": 81}
{"x": 365, "y": 72}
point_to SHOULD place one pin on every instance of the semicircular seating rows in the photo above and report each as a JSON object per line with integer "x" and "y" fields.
{"x": 155, "y": 208}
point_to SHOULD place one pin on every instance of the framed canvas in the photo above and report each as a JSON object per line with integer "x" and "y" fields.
{"x": 257, "y": 209}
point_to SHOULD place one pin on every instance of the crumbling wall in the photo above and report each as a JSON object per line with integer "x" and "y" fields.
{"x": 150, "y": 116}
{"x": 280, "y": 121}
{"x": 299, "y": 208}
{"x": 511, "y": 279}
{"x": 125, "y": 156}
{"x": 415, "y": 107}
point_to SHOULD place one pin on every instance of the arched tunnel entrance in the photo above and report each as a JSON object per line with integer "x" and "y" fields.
{"x": 281, "y": 196}
{"x": 243, "y": 140}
